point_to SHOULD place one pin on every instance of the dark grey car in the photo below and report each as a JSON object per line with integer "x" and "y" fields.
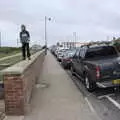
{"x": 97, "y": 65}
{"x": 67, "y": 57}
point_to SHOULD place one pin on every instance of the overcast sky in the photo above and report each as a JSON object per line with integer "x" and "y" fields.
{"x": 90, "y": 19}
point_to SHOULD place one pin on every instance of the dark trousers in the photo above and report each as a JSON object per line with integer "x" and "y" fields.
{"x": 25, "y": 47}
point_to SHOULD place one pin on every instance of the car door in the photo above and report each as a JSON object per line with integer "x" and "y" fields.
{"x": 81, "y": 61}
{"x": 75, "y": 60}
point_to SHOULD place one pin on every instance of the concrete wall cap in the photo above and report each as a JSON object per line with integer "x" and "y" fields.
{"x": 20, "y": 67}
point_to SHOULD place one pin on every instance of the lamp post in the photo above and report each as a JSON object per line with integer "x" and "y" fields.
{"x": 46, "y": 19}
{"x": 74, "y": 39}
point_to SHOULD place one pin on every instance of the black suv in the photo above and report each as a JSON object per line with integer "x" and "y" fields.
{"x": 97, "y": 65}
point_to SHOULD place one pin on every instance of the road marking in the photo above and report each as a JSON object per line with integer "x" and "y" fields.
{"x": 11, "y": 56}
{"x": 91, "y": 108}
{"x": 113, "y": 101}
{"x": 101, "y": 85}
{"x": 90, "y": 105}
{"x": 103, "y": 96}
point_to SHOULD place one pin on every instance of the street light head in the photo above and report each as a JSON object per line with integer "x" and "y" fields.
{"x": 49, "y": 19}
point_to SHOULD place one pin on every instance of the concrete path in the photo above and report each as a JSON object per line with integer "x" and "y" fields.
{"x": 59, "y": 99}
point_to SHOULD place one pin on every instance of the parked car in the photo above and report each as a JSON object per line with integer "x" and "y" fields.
{"x": 60, "y": 54}
{"x": 67, "y": 58}
{"x": 59, "y": 49}
{"x": 97, "y": 65}
{"x": 53, "y": 49}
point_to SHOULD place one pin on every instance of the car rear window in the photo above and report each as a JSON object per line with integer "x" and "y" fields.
{"x": 100, "y": 52}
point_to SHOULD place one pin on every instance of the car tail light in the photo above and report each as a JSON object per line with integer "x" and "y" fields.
{"x": 97, "y": 72}
{"x": 68, "y": 59}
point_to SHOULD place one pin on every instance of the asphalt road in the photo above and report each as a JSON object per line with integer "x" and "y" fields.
{"x": 105, "y": 102}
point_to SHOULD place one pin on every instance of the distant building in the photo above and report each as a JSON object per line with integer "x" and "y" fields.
{"x": 72, "y": 44}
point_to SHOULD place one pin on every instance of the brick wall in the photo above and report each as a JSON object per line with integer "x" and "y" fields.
{"x": 18, "y": 86}
{"x": 13, "y": 94}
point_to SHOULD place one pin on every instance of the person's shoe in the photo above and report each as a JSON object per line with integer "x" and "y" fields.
{"x": 24, "y": 58}
{"x": 29, "y": 58}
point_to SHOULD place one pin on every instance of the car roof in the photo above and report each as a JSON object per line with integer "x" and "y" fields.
{"x": 100, "y": 46}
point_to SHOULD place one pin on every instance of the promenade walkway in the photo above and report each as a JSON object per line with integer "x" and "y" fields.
{"x": 59, "y": 99}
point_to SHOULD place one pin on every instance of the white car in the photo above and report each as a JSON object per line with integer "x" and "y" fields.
{"x": 60, "y": 54}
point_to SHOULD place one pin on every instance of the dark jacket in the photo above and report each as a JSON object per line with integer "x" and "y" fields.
{"x": 24, "y": 36}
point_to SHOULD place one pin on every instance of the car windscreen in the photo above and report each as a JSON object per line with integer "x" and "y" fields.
{"x": 69, "y": 53}
{"x": 100, "y": 52}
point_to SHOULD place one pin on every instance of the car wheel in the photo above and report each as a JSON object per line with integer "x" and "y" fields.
{"x": 72, "y": 70}
{"x": 89, "y": 85}
{"x": 65, "y": 67}
{"x": 58, "y": 59}
{"x": 69, "y": 66}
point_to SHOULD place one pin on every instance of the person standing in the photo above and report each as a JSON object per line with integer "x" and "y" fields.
{"x": 25, "y": 39}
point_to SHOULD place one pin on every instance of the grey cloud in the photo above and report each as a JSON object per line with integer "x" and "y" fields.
{"x": 92, "y": 20}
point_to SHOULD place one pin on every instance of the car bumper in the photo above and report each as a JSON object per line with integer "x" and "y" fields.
{"x": 109, "y": 83}
{"x": 66, "y": 64}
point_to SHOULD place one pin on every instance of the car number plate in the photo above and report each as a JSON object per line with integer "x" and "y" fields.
{"x": 116, "y": 81}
